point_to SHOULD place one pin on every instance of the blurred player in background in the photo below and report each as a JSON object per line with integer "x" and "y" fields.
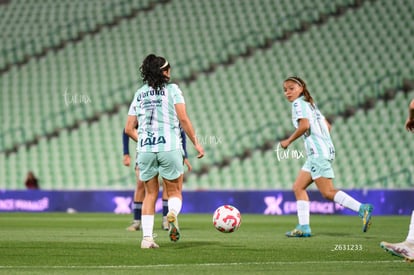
{"x": 405, "y": 249}
{"x": 314, "y": 128}
{"x": 409, "y": 124}
{"x": 139, "y": 192}
{"x": 159, "y": 109}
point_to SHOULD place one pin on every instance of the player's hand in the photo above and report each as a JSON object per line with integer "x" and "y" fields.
{"x": 127, "y": 160}
{"x": 285, "y": 143}
{"x": 409, "y": 125}
{"x": 187, "y": 163}
{"x": 200, "y": 150}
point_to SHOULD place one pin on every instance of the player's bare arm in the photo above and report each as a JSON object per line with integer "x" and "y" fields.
{"x": 130, "y": 127}
{"x": 302, "y": 128}
{"x": 188, "y": 128}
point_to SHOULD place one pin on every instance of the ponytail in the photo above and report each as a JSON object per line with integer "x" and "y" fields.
{"x": 308, "y": 97}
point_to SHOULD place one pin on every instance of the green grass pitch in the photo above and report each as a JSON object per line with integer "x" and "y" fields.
{"x": 97, "y": 243}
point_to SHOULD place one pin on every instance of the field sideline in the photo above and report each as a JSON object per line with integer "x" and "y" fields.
{"x": 97, "y": 243}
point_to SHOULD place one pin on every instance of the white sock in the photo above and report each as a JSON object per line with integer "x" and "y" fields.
{"x": 345, "y": 200}
{"x": 147, "y": 224}
{"x": 303, "y": 211}
{"x": 410, "y": 236}
{"x": 174, "y": 205}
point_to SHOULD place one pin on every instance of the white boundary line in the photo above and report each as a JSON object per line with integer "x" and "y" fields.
{"x": 200, "y": 264}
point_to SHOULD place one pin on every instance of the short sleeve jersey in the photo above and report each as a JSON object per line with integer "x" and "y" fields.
{"x": 158, "y": 124}
{"x": 318, "y": 142}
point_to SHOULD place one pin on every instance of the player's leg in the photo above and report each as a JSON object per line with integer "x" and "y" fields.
{"x": 148, "y": 212}
{"x": 302, "y": 182}
{"x": 164, "y": 224}
{"x": 148, "y": 167}
{"x": 151, "y": 195}
{"x": 323, "y": 175}
{"x": 328, "y": 191}
{"x": 174, "y": 206}
{"x": 403, "y": 249}
{"x": 171, "y": 170}
{"x": 139, "y": 194}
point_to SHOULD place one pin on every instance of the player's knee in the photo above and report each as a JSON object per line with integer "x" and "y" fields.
{"x": 297, "y": 189}
{"x": 328, "y": 194}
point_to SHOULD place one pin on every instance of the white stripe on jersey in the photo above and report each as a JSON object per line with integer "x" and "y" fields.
{"x": 166, "y": 117}
{"x": 318, "y": 142}
{"x": 158, "y": 125}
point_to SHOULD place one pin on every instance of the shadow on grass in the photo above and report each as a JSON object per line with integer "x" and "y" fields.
{"x": 332, "y": 234}
{"x": 199, "y": 244}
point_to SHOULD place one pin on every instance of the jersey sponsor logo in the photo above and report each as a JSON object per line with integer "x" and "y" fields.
{"x": 153, "y": 141}
{"x": 150, "y": 104}
{"x": 150, "y": 93}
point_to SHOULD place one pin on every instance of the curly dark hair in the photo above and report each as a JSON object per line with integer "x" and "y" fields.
{"x": 152, "y": 69}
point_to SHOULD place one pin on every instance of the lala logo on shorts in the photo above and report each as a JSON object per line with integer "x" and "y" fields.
{"x": 152, "y": 141}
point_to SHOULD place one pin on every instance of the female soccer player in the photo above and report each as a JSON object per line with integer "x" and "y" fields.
{"x": 139, "y": 192}
{"x": 405, "y": 249}
{"x": 314, "y": 128}
{"x": 159, "y": 108}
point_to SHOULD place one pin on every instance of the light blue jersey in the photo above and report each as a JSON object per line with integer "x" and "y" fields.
{"x": 318, "y": 142}
{"x": 158, "y": 125}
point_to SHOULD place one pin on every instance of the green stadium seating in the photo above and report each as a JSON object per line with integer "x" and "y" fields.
{"x": 237, "y": 107}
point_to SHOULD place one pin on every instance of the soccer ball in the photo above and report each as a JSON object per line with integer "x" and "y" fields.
{"x": 226, "y": 219}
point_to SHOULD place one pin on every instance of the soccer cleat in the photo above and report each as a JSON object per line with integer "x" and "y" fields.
{"x": 300, "y": 231}
{"x": 165, "y": 224}
{"x": 174, "y": 231}
{"x": 135, "y": 226}
{"x": 148, "y": 242}
{"x": 365, "y": 211}
{"x": 404, "y": 250}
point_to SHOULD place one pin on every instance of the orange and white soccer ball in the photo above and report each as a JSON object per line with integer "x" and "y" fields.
{"x": 227, "y": 219}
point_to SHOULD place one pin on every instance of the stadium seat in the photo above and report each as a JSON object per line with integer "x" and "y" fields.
{"x": 241, "y": 102}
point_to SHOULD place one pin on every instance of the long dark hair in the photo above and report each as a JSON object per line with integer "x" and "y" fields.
{"x": 305, "y": 91}
{"x": 152, "y": 69}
